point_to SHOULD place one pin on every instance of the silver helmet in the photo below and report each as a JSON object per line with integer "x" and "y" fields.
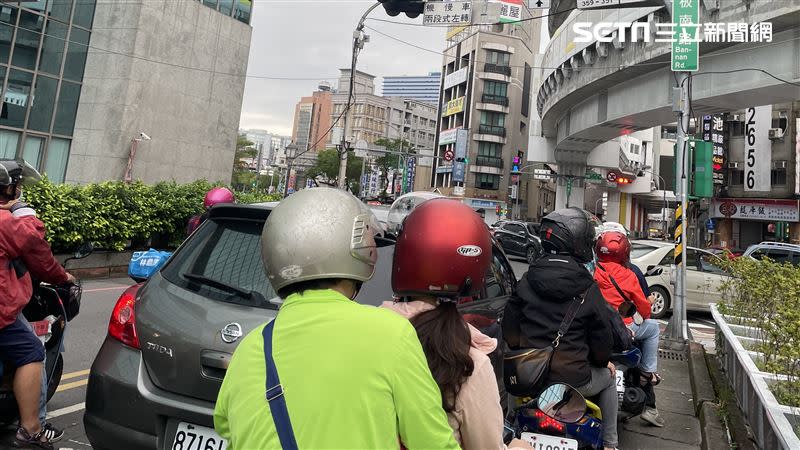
{"x": 319, "y": 233}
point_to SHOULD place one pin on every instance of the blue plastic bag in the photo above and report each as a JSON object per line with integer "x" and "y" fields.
{"x": 145, "y": 264}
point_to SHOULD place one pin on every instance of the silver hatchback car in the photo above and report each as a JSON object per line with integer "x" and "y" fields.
{"x": 154, "y": 382}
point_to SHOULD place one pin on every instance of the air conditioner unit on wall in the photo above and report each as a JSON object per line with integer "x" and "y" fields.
{"x": 733, "y": 165}
{"x": 779, "y": 164}
{"x": 775, "y": 133}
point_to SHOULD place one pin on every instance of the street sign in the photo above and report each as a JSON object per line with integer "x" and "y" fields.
{"x": 542, "y": 174}
{"x": 685, "y": 54}
{"x": 459, "y": 172}
{"x": 446, "y": 13}
{"x": 539, "y": 4}
{"x": 459, "y": 191}
{"x": 448, "y": 155}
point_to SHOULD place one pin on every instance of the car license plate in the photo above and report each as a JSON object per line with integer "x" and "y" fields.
{"x": 620, "y": 385}
{"x": 196, "y": 437}
{"x": 545, "y": 442}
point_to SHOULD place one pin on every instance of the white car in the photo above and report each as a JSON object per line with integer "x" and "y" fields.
{"x": 704, "y": 276}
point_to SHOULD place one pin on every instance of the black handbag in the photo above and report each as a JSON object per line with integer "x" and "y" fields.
{"x": 525, "y": 370}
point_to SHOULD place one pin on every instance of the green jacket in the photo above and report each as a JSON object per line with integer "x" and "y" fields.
{"x": 354, "y": 377}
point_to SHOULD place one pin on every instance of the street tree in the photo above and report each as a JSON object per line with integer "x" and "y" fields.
{"x": 326, "y": 169}
{"x": 389, "y": 161}
{"x": 242, "y": 176}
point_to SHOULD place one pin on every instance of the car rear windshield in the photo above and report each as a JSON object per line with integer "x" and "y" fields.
{"x": 228, "y": 252}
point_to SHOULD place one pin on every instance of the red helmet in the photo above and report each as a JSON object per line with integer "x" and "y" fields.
{"x": 443, "y": 249}
{"x": 613, "y": 246}
{"x": 218, "y": 195}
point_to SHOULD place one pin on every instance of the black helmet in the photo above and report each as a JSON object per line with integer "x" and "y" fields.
{"x": 14, "y": 172}
{"x": 570, "y": 231}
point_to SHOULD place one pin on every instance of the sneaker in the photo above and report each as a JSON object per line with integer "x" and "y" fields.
{"x": 23, "y": 439}
{"x": 651, "y": 416}
{"x": 52, "y": 433}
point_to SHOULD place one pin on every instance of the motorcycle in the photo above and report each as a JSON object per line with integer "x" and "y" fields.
{"x": 48, "y": 312}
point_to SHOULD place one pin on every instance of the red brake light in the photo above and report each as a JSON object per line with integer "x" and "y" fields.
{"x": 122, "y": 325}
{"x": 547, "y": 422}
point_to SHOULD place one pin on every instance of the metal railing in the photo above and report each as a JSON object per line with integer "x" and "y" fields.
{"x": 494, "y": 68}
{"x": 496, "y": 99}
{"x": 489, "y": 161}
{"x": 492, "y": 129}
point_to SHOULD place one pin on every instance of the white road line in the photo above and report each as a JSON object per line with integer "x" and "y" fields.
{"x": 67, "y": 410}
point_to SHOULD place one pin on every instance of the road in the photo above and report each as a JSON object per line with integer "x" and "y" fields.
{"x": 85, "y": 334}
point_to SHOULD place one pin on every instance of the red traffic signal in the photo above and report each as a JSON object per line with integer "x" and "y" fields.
{"x": 624, "y": 180}
{"x": 412, "y": 8}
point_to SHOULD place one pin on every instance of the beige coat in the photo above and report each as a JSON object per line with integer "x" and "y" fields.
{"x": 477, "y": 420}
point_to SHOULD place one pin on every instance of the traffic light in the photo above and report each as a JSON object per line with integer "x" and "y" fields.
{"x": 497, "y": 209}
{"x": 412, "y": 8}
{"x": 516, "y": 162}
{"x": 625, "y": 179}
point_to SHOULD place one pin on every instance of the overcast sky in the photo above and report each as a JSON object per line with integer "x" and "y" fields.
{"x": 311, "y": 39}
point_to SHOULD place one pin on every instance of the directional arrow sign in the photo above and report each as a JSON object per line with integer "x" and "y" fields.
{"x": 539, "y": 4}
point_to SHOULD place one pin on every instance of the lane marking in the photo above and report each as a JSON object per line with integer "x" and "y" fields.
{"x": 77, "y": 374}
{"x": 106, "y": 289}
{"x": 68, "y": 410}
{"x": 73, "y": 385}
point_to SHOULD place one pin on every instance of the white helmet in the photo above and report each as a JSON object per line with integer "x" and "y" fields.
{"x": 614, "y": 226}
{"x": 319, "y": 233}
{"x": 403, "y": 207}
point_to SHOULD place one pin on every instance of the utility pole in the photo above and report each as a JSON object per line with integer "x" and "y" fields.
{"x": 677, "y": 325}
{"x": 359, "y": 38}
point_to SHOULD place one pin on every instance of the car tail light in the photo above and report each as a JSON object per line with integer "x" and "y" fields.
{"x": 122, "y": 325}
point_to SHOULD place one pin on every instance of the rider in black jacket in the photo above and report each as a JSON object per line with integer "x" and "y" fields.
{"x": 532, "y": 317}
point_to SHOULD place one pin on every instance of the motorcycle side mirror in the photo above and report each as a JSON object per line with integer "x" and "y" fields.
{"x": 627, "y": 309}
{"x": 84, "y": 250}
{"x": 653, "y": 271}
{"x": 562, "y": 402}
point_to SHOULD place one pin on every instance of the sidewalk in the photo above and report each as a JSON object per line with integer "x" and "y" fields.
{"x": 685, "y": 398}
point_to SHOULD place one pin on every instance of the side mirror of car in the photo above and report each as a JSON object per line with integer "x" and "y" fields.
{"x": 653, "y": 271}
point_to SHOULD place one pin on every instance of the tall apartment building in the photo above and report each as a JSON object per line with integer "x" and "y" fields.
{"x": 423, "y": 88}
{"x": 269, "y": 145}
{"x": 486, "y": 90}
{"x": 312, "y": 119}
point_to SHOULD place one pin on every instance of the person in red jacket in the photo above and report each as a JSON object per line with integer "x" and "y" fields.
{"x": 618, "y": 283}
{"x": 24, "y": 253}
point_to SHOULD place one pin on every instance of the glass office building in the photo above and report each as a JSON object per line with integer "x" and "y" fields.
{"x": 238, "y": 9}
{"x": 43, "y": 47}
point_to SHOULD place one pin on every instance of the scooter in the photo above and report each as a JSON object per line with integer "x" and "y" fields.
{"x": 48, "y": 312}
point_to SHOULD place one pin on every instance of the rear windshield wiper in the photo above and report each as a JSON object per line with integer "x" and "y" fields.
{"x": 219, "y": 285}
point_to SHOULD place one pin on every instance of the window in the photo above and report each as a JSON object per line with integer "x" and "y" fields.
{"x": 26, "y": 45}
{"x": 16, "y": 99}
{"x": 8, "y": 144}
{"x": 210, "y": 3}
{"x": 514, "y": 228}
{"x": 8, "y": 19}
{"x": 60, "y": 9}
{"x": 42, "y": 109}
{"x": 495, "y": 88}
{"x": 692, "y": 263}
{"x": 711, "y": 264}
{"x": 84, "y": 14}
{"x": 226, "y": 7}
{"x": 76, "y": 54}
{"x": 53, "y": 47}
{"x": 736, "y": 128}
{"x": 498, "y": 58}
{"x": 737, "y": 177}
{"x": 490, "y": 149}
{"x": 67, "y": 108}
{"x": 493, "y": 118}
{"x": 32, "y": 152}
{"x": 778, "y": 177}
{"x": 487, "y": 181}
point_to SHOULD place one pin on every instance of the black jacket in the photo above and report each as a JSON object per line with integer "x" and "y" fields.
{"x": 532, "y": 318}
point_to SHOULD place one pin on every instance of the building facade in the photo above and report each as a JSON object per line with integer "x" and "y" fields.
{"x": 486, "y": 90}
{"x": 312, "y": 119}
{"x": 175, "y": 72}
{"x": 424, "y": 88}
{"x": 269, "y": 145}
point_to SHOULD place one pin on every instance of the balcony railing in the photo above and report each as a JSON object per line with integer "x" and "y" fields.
{"x": 489, "y": 161}
{"x": 494, "y": 68}
{"x": 496, "y": 99}
{"x": 492, "y": 129}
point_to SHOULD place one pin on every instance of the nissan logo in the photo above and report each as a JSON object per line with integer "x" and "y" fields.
{"x": 231, "y": 332}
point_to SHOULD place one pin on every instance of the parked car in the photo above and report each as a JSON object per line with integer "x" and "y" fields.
{"x": 776, "y": 251}
{"x": 704, "y": 276}
{"x": 170, "y": 339}
{"x": 519, "y": 239}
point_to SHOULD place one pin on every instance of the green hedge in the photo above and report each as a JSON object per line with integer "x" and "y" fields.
{"x": 113, "y": 215}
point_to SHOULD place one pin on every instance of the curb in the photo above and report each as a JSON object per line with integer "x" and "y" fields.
{"x": 702, "y": 387}
{"x": 711, "y": 428}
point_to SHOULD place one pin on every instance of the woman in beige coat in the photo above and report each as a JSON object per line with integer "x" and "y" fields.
{"x": 442, "y": 254}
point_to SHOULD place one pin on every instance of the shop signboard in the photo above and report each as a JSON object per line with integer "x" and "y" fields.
{"x": 448, "y": 136}
{"x": 456, "y": 78}
{"x": 766, "y": 210}
{"x": 453, "y": 106}
{"x": 757, "y": 149}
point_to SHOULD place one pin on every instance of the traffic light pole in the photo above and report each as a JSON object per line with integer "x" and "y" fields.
{"x": 359, "y": 38}
{"x": 678, "y": 326}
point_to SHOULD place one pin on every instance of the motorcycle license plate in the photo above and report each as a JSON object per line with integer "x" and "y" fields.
{"x": 196, "y": 437}
{"x": 620, "y": 385}
{"x": 545, "y": 442}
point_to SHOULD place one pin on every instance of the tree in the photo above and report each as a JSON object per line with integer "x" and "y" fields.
{"x": 326, "y": 169}
{"x": 390, "y": 161}
{"x": 242, "y": 176}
